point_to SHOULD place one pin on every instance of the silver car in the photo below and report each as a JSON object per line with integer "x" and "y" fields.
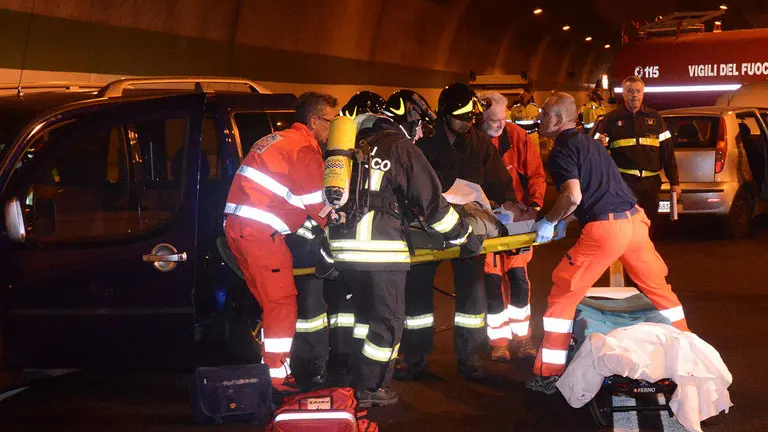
{"x": 722, "y": 159}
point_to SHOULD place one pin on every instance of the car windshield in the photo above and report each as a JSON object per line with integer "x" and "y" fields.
{"x": 693, "y": 131}
{"x": 7, "y": 135}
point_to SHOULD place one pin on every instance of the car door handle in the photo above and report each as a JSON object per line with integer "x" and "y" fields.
{"x": 165, "y": 258}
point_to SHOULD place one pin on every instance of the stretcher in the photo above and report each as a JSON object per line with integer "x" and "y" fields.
{"x": 606, "y": 309}
{"x": 491, "y": 245}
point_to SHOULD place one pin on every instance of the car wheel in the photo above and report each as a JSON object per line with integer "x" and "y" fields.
{"x": 738, "y": 222}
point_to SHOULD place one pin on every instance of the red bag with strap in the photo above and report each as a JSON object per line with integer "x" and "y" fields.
{"x": 327, "y": 410}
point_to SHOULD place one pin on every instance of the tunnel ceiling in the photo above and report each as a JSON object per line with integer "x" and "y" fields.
{"x": 407, "y": 43}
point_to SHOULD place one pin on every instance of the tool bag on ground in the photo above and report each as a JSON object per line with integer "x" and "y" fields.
{"x": 327, "y": 410}
{"x": 240, "y": 393}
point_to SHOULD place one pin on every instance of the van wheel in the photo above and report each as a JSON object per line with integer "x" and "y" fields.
{"x": 738, "y": 222}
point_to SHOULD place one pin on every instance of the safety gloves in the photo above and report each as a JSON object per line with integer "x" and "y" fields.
{"x": 560, "y": 228}
{"x": 545, "y": 230}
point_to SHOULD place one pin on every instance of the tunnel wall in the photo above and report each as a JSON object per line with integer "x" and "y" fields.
{"x": 340, "y": 46}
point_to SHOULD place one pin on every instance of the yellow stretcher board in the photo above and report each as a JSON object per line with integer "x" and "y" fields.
{"x": 497, "y": 244}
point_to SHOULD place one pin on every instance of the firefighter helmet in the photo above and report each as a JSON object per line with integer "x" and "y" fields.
{"x": 364, "y": 102}
{"x": 397, "y": 107}
{"x": 459, "y": 101}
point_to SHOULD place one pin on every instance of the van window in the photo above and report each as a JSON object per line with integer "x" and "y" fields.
{"x": 693, "y": 131}
{"x": 252, "y": 126}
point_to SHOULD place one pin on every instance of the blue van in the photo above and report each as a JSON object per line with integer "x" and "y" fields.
{"x": 113, "y": 202}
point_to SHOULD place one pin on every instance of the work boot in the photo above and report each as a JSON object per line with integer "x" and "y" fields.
{"x": 319, "y": 372}
{"x": 543, "y": 384}
{"x": 338, "y": 370}
{"x": 379, "y": 397}
{"x": 500, "y": 354}
{"x": 523, "y": 348}
{"x": 472, "y": 368}
{"x": 411, "y": 369}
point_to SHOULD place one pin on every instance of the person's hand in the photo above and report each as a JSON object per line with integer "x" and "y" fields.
{"x": 545, "y": 230}
{"x": 560, "y": 229}
{"x": 517, "y": 209}
{"x": 675, "y": 190}
{"x": 530, "y": 213}
{"x": 471, "y": 247}
{"x": 603, "y": 138}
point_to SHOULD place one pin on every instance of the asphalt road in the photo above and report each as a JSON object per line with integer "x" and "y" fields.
{"x": 721, "y": 283}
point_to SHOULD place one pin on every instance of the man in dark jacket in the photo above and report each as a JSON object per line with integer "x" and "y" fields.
{"x": 369, "y": 247}
{"x": 456, "y": 151}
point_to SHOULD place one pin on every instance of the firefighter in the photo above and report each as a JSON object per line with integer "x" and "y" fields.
{"x": 268, "y": 200}
{"x": 641, "y": 146}
{"x": 613, "y": 228}
{"x": 411, "y": 111}
{"x": 593, "y": 110}
{"x": 524, "y": 114}
{"x": 509, "y": 306}
{"x": 457, "y": 150}
{"x": 369, "y": 247}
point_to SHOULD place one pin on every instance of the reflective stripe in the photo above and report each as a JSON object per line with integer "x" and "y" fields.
{"x": 373, "y": 257}
{"x": 312, "y": 198}
{"x": 343, "y": 320}
{"x": 270, "y": 184}
{"x": 639, "y": 173}
{"x": 277, "y": 345}
{"x": 558, "y": 325}
{"x": 597, "y": 135}
{"x": 626, "y": 142}
{"x": 325, "y": 256}
{"x": 469, "y": 321}
{"x": 665, "y": 136}
{"x": 516, "y": 313}
{"x": 419, "y": 322}
{"x": 520, "y": 328}
{"x": 463, "y": 239}
{"x": 551, "y": 356}
{"x": 369, "y": 245}
{"x": 525, "y": 122}
{"x": 316, "y": 415}
{"x": 674, "y": 314}
{"x": 649, "y": 141}
{"x": 395, "y": 350}
{"x": 465, "y": 109}
{"x": 360, "y": 331}
{"x": 311, "y": 325}
{"x": 447, "y": 222}
{"x": 499, "y": 333}
{"x": 280, "y": 372}
{"x": 365, "y": 226}
{"x": 496, "y": 320}
{"x": 375, "y": 352}
{"x": 257, "y": 215}
{"x": 303, "y": 232}
{"x": 589, "y": 125}
{"x": 376, "y": 178}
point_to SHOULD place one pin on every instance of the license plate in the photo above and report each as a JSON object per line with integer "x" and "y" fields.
{"x": 664, "y": 207}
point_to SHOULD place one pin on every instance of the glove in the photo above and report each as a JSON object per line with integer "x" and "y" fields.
{"x": 471, "y": 247}
{"x": 545, "y": 230}
{"x": 324, "y": 267}
{"x": 560, "y": 229}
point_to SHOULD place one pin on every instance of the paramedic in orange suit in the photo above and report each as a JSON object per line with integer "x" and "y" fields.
{"x": 509, "y": 309}
{"x": 614, "y": 228}
{"x": 269, "y": 199}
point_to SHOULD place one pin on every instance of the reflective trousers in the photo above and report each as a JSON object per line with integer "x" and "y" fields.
{"x": 509, "y": 295}
{"x": 600, "y": 244}
{"x": 311, "y": 339}
{"x": 341, "y": 316}
{"x": 469, "y": 319}
{"x": 267, "y": 265}
{"x": 379, "y": 298}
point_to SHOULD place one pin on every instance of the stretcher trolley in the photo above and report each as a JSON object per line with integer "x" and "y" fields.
{"x": 604, "y": 310}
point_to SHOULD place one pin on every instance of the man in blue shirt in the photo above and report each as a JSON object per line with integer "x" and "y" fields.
{"x": 614, "y": 228}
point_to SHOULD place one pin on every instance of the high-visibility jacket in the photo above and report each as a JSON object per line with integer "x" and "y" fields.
{"x": 523, "y": 163}
{"x": 397, "y": 175}
{"x": 280, "y": 180}
{"x": 590, "y": 112}
{"x": 639, "y": 143}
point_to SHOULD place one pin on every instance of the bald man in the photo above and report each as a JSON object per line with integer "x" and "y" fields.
{"x": 614, "y": 228}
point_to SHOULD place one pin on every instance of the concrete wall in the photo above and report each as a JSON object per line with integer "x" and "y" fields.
{"x": 340, "y": 46}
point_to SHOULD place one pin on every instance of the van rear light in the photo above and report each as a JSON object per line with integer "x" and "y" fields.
{"x": 722, "y": 147}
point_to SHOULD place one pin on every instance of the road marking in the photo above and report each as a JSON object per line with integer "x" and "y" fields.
{"x": 11, "y": 393}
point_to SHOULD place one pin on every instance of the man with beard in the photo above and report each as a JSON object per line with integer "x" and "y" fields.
{"x": 456, "y": 151}
{"x": 509, "y": 309}
{"x": 641, "y": 146}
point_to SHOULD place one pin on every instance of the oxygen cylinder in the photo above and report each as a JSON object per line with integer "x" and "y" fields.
{"x": 338, "y": 164}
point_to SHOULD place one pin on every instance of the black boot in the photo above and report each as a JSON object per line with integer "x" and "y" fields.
{"x": 338, "y": 370}
{"x": 411, "y": 369}
{"x": 379, "y": 397}
{"x": 472, "y": 368}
